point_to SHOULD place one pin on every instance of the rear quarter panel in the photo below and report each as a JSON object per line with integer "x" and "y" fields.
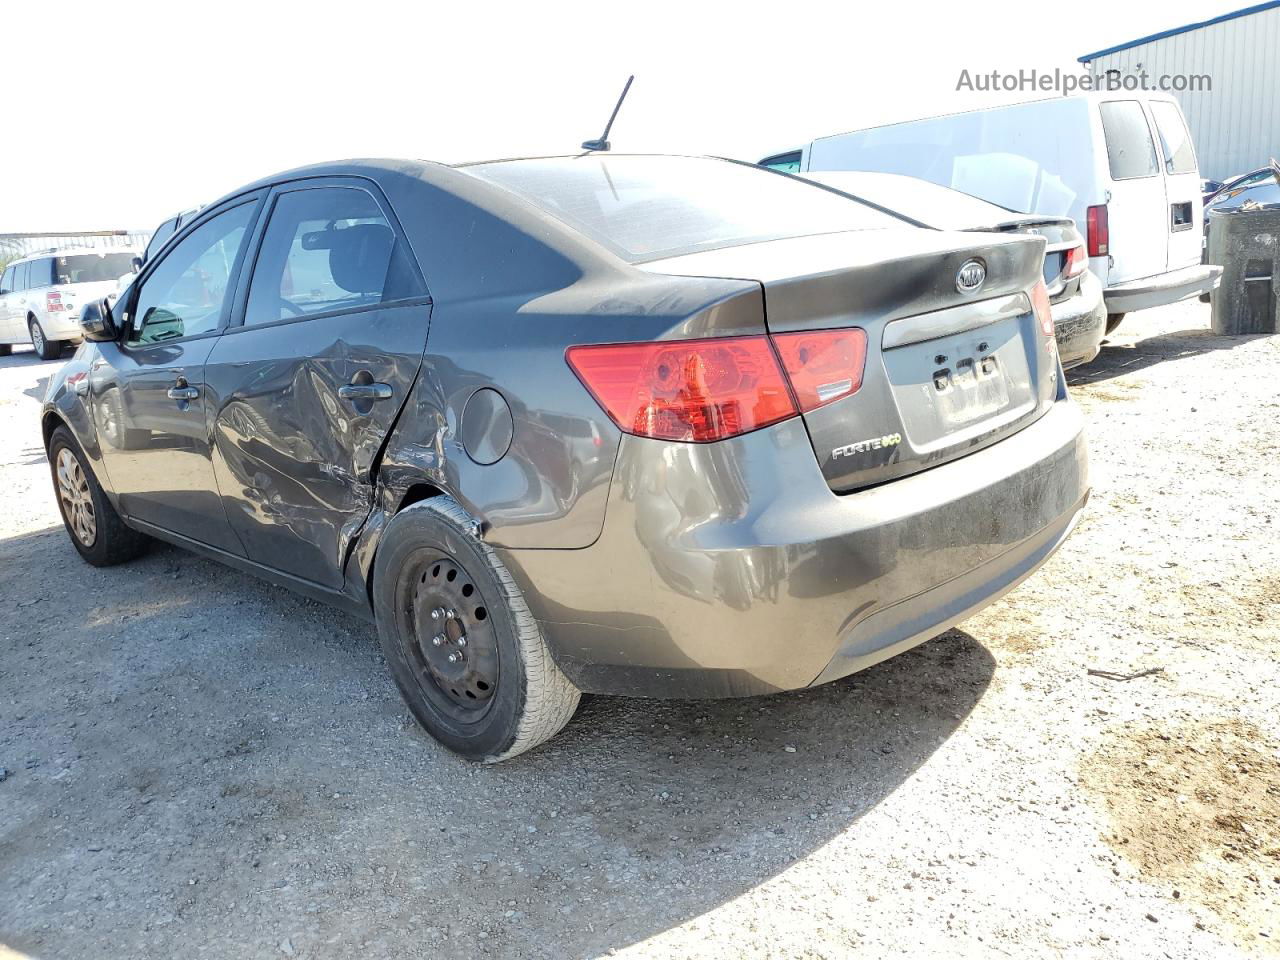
{"x": 512, "y": 290}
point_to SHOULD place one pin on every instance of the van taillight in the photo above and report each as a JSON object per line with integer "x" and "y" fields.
{"x": 1098, "y": 233}
{"x": 695, "y": 390}
{"x": 53, "y": 302}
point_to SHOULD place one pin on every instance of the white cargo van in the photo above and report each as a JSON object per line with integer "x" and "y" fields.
{"x": 1121, "y": 165}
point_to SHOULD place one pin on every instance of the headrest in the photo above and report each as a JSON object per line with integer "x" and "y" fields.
{"x": 359, "y": 256}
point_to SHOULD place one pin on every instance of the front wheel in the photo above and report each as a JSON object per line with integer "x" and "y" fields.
{"x": 1113, "y": 321}
{"x": 46, "y": 349}
{"x": 466, "y": 653}
{"x": 96, "y": 530}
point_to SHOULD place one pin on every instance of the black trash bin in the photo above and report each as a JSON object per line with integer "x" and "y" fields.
{"x": 1246, "y": 243}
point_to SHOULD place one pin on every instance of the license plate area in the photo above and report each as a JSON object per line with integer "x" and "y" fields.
{"x": 953, "y": 388}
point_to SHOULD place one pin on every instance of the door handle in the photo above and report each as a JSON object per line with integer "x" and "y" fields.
{"x": 182, "y": 391}
{"x": 365, "y": 391}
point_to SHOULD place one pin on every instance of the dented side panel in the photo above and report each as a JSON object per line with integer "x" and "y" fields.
{"x": 295, "y": 463}
{"x": 549, "y": 489}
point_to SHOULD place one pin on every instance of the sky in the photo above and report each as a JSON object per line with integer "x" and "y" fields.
{"x": 133, "y": 111}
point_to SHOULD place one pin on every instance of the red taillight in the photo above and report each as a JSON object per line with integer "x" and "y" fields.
{"x": 1040, "y": 304}
{"x": 823, "y": 365}
{"x": 1099, "y": 233}
{"x": 53, "y": 302}
{"x": 697, "y": 390}
{"x": 1077, "y": 260}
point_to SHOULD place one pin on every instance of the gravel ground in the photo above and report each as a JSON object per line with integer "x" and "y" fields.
{"x": 201, "y": 765}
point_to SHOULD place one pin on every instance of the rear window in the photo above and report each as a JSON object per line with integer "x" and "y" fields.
{"x": 651, "y": 207}
{"x": 1130, "y": 150}
{"x": 1179, "y": 155}
{"x": 90, "y": 267}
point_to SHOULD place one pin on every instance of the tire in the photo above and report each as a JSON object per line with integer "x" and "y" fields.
{"x": 1113, "y": 321}
{"x": 110, "y": 541}
{"x": 46, "y": 349}
{"x": 6, "y": 349}
{"x": 506, "y": 694}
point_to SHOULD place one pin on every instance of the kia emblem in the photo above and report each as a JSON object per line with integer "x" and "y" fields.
{"x": 971, "y": 276}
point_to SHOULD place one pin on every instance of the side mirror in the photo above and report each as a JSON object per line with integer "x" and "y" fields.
{"x": 97, "y": 322}
{"x": 137, "y": 264}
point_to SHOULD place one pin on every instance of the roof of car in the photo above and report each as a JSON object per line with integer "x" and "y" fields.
{"x": 607, "y": 155}
{"x": 70, "y": 252}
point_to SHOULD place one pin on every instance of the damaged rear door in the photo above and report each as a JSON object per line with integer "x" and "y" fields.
{"x": 306, "y": 383}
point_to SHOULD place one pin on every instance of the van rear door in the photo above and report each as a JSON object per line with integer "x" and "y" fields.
{"x": 1181, "y": 183}
{"x": 1137, "y": 210}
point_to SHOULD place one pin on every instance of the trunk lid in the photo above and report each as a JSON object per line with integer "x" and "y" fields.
{"x": 946, "y": 372}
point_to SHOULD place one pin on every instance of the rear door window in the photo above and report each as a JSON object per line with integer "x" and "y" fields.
{"x": 41, "y": 273}
{"x": 1179, "y": 155}
{"x": 327, "y": 249}
{"x": 1131, "y": 153}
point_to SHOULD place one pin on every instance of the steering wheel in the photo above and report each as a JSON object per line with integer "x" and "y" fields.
{"x": 293, "y": 308}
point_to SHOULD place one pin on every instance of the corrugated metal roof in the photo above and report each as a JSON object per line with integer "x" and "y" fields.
{"x": 1258, "y": 8}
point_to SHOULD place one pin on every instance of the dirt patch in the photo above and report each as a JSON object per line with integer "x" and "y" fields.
{"x": 1111, "y": 390}
{"x": 1198, "y": 806}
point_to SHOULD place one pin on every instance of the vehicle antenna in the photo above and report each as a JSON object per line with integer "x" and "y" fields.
{"x": 603, "y": 142}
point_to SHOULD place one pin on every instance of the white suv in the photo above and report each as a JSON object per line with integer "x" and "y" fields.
{"x": 41, "y": 295}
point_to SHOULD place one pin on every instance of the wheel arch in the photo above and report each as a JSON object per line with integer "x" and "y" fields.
{"x": 50, "y": 421}
{"x": 417, "y": 492}
{"x": 393, "y": 502}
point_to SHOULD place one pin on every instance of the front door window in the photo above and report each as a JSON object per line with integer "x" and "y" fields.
{"x": 186, "y": 294}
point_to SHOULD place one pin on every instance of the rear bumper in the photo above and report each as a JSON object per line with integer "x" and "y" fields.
{"x": 57, "y": 326}
{"x": 732, "y": 569}
{"x": 1161, "y": 289}
{"x": 1080, "y": 322}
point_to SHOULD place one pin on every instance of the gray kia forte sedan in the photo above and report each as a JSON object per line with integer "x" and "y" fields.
{"x": 648, "y": 425}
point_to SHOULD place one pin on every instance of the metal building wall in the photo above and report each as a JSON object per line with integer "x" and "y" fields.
{"x": 1235, "y": 125}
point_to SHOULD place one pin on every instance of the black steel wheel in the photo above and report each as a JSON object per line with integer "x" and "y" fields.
{"x": 446, "y": 634}
{"x": 468, "y": 656}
